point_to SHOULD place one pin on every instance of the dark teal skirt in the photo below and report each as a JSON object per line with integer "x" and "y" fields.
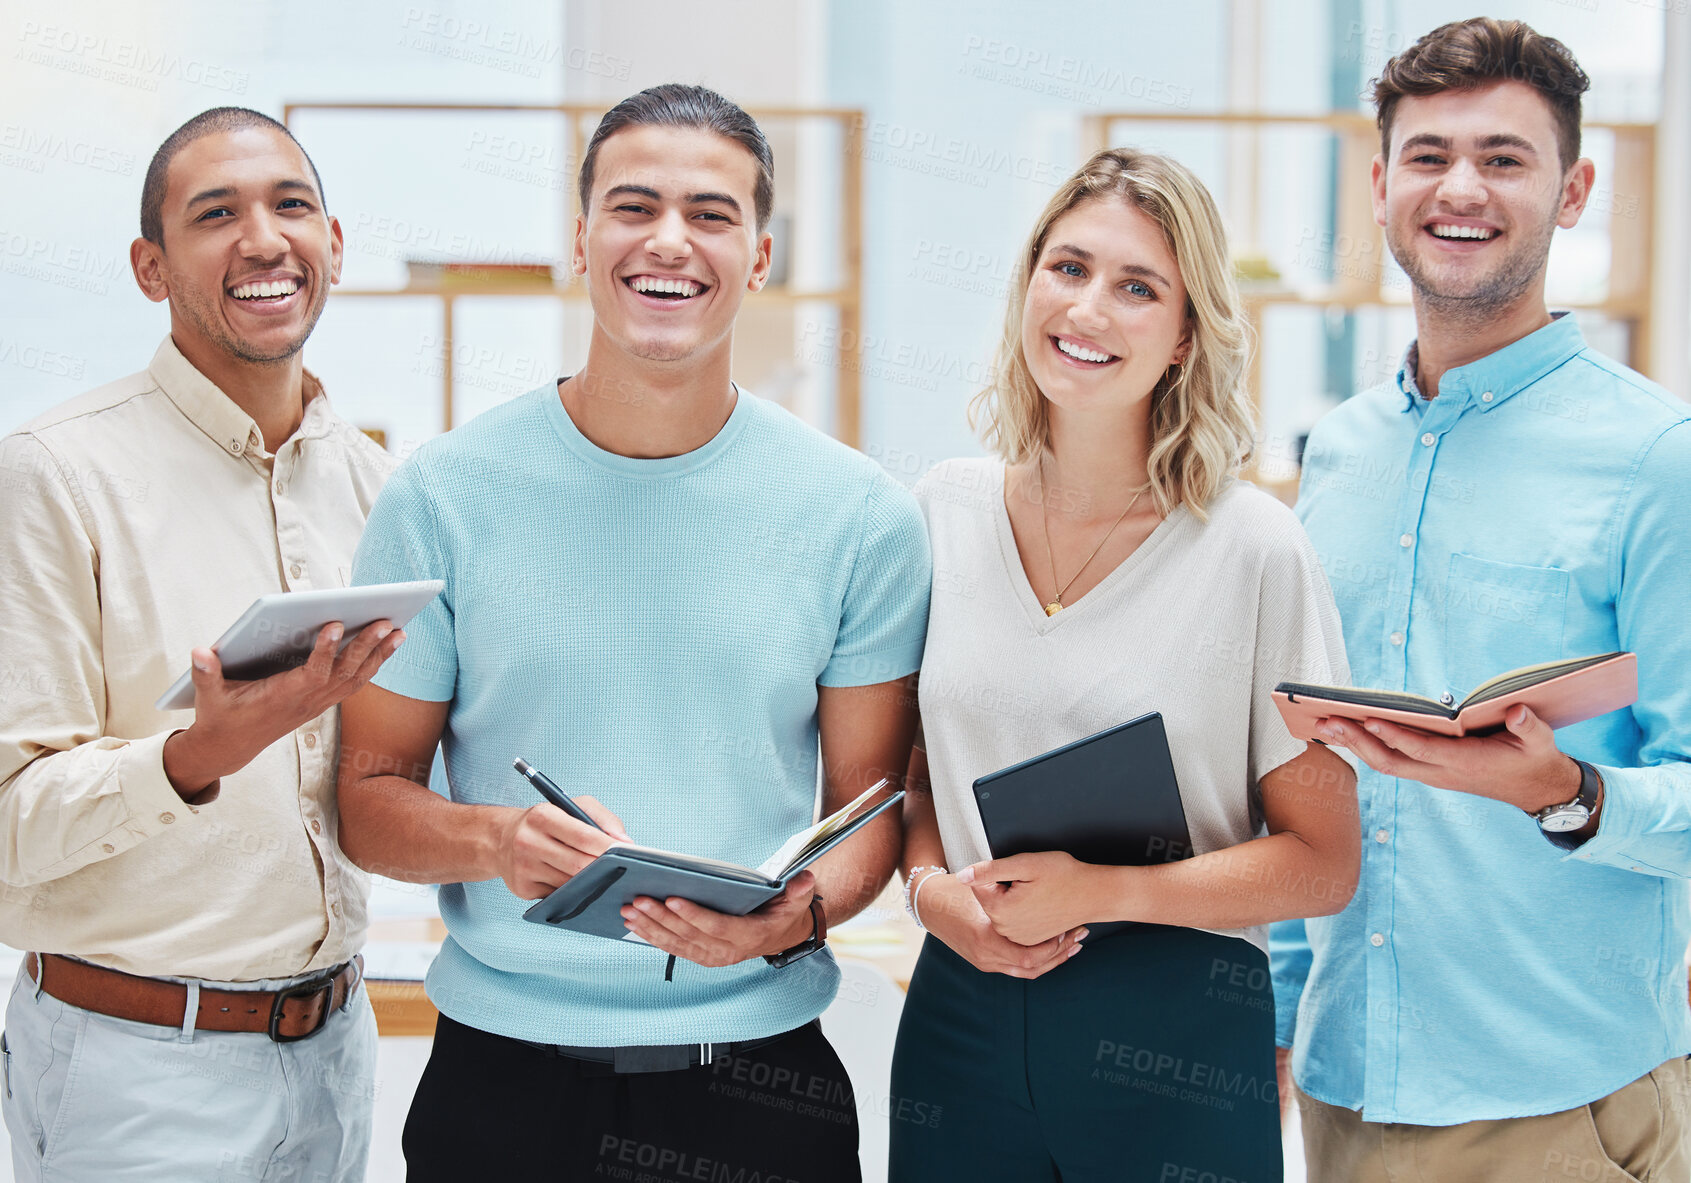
{"x": 1149, "y": 1056}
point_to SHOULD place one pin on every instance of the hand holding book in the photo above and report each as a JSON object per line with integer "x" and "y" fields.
{"x": 1499, "y": 742}
{"x": 1559, "y": 692}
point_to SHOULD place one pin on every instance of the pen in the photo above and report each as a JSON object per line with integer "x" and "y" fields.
{"x": 548, "y": 789}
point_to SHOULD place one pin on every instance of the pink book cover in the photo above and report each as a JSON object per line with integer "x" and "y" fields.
{"x": 1569, "y": 698}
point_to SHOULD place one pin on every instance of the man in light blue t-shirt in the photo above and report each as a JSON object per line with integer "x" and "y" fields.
{"x": 673, "y": 598}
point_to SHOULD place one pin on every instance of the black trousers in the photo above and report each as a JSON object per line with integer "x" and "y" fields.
{"x": 489, "y": 1107}
{"x": 1148, "y": 1058}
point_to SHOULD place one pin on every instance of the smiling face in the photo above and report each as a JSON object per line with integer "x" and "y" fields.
{"x": 669, "y": 243}
{"x": 1472, "y": 192}
{"x": 1104, "y": 314}
{"x": 249, "y": 253}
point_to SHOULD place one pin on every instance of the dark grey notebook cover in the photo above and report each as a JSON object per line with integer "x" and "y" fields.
{"x": 592, "y": 901}
{"x": 1110, "y": 798}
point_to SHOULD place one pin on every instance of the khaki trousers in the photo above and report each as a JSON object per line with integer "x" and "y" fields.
{"x": 1639, "y": 1133}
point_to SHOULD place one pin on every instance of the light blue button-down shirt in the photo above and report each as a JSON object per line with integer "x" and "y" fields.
{"x": 1539, "y": 507}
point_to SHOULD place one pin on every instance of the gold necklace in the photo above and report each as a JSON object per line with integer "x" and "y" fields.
{"x": 1056, "y": 605}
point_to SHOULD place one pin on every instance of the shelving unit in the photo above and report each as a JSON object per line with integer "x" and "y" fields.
{"x": 579, "y": 120}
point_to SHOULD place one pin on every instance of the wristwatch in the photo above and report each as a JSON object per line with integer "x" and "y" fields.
{"x": 818, "y": 937}
{"x": 1557, "y": 821}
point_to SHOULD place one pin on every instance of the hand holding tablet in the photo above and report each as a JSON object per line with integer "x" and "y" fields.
{"x": 289, "y": 658}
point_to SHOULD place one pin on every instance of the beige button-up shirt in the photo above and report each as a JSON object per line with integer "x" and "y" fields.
{"x": 137, "y": 522}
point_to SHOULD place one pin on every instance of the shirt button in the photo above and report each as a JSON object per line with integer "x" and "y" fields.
{"x": 1486, "y": 397}
{"x": 316, "y": 826}
{"x": 311, "y": 739}
{"x": 1447, "y": 699}
{"x": 1396, "y": 638}
{"x": 1381, "y": 835}
{"x": 1406, "y": 540}
{"x": 335, "y": 908}
{"x": 281, "y": 487}
{"x": 1376, "y": 940}
{"x": 294, "y": 570}
{"x": 167, "y": 818}
{"x": 109, "y": 848}
{"x": 235, "y": 447}
{"x": 1427, "y": 439}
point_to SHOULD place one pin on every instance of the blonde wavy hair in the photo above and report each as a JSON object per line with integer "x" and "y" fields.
{"x": 1201, "y": 418}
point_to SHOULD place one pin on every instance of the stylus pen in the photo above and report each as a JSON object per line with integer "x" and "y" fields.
{"x": 549, "y": 789}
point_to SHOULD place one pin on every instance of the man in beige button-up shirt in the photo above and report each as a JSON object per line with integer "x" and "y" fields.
{"x": 136, "y": 523}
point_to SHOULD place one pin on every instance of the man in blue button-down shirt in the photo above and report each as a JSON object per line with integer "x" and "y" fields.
{"x": 1500, "y": 1001}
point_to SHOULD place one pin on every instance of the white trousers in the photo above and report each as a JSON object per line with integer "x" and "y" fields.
{"x": 89, "y": 1098}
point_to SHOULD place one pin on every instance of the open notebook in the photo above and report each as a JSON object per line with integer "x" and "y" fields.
{"x": 593, "y": 900}
{"x": 1559, "y": 692}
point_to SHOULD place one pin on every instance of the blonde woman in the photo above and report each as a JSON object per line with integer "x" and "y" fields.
{"x": 1107, "y": 563}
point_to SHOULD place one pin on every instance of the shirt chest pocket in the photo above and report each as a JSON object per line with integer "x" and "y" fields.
{"x": 1499, "y": 616}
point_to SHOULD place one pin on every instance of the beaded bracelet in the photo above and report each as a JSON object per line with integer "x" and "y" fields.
{"x": 913, "y": 892}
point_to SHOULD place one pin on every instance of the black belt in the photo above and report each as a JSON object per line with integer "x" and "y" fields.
{"x": 668, "y": 1057}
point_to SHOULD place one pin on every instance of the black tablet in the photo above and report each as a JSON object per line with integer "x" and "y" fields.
{"x": 1110, "y": 798}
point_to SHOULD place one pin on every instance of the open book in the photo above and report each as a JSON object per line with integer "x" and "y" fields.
{"x": 1559, "y": 692}
{"x": 592, "y": 901}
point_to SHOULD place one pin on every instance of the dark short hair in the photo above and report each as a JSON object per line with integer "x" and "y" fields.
{"x": 676, "y": 104}
{"x": 1477, "y": 52}
{"x": 206, "y": 123}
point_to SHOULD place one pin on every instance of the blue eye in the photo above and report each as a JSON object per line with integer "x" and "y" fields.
{"x": 1073, "y": 270}
{"x": 1143, "y": 291}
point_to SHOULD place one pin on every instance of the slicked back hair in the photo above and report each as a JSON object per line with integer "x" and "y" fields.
{"x": 1477, "y": 52}
{"x": 206, "y": 123}
{"x": 677, "y": 104}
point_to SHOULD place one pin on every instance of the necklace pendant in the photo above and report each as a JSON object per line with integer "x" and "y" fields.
{"x": 1054, "y": 607}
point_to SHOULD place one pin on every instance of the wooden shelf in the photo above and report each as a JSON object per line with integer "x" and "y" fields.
{"x": 847, "y": 299}
{"x": 577, "y": 292}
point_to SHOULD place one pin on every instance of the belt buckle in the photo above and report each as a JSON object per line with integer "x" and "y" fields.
{"x": 324, "y": 985}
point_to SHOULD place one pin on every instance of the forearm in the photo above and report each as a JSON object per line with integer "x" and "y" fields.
{"x": 398, "y": 828}
{"x": 851, "y": 877}
{"x": 1277, "y": 877}
{"x": 923, "y": 846}
{"x": 195, "y": 767}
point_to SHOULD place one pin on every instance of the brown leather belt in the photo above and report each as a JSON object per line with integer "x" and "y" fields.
{"x": 296, "y": 1012}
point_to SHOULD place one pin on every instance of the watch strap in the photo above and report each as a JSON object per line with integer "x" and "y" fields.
{"x": 818, "y": 937}
{"x": 1590, "y": 785}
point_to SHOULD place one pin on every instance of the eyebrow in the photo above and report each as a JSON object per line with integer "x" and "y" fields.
{"x": 1489, "y": 143}
{"x": 651, "y": 194}
{"x": 227, "y": 191}
{"x": 1137, "y": 270}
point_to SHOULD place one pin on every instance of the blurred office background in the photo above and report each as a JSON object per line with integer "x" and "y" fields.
{"x": 915, "y": 142}
{"x": 936, "y": 132}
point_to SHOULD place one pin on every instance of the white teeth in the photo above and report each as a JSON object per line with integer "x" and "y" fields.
{"x": 673, "y": 287}
{"x": 1082, "y": 353}
{"x": 275, "y": 287}
{"x": 1443, "y": 231}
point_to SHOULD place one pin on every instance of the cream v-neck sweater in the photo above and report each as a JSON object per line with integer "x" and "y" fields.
{"x": 1199, "y": 623}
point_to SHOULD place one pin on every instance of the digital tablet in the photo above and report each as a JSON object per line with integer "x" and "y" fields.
{"x": 278, "y": 631}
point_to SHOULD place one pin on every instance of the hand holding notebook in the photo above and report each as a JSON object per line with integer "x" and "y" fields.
{"x": 1559, "y": 692}
{"x": 592, "y": 901}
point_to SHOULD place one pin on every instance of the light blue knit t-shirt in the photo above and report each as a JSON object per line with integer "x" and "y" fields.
{"x": 651, "y": 633}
